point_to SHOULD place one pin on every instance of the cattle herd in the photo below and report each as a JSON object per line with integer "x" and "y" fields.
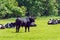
{"x": 54, "y": 21}
{"x": 26, "y": 22}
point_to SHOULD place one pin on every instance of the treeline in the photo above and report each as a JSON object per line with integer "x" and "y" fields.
{"x": 19, "y": 8}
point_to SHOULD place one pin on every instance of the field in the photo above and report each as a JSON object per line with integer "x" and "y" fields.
{"x": 42, "y": 31}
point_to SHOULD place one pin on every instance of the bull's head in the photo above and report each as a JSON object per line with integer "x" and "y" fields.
{"x": 32, "y": 19}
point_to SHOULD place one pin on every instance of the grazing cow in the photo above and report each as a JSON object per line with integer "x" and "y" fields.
{"x": 52, "y": 21}
{"x": 2, "y": 27}
{"x": 10, "y": 25}
{"x": 26, "y": 22}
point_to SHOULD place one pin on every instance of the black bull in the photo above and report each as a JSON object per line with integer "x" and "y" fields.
{"x": 26, "y": 22}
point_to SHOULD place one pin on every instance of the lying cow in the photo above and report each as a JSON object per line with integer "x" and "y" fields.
{"x": 26, "y": 22}
{"x": 52, "y": 21}
{"x": 33, "y": 24}
{"x": 58, "y": 20}
{"x": 10, "y": 25}
{"x": 2, "y": 27}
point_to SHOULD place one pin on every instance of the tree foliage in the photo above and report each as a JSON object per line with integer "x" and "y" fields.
{"x": 18, "y": 8}
{"x": 10, "y": 7}
{"x": 40, "y": 7}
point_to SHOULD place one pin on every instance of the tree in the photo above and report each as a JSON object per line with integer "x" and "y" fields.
{"x": 10, "y": 7}
{"x": 40, "y": 7}
{"x": 53, "y": 7}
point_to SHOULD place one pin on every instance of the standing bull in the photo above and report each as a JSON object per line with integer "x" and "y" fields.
{"x": 26, "y": 22}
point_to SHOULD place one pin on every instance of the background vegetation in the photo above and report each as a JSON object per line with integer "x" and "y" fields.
{"x": 42, "y": 31}
{"x": 36, "y": 8}
{"x": 19, "y": 8}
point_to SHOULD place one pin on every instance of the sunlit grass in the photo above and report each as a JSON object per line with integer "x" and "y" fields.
{"x": 42, "y": 31}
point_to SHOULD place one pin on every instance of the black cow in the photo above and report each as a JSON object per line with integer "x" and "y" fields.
{"x": 26, "y": 22}
{"x": 52, "y": 21}
{"x": 10, "y": 25}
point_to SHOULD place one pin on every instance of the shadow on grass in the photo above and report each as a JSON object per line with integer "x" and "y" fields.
{"x": 18, "y": 32}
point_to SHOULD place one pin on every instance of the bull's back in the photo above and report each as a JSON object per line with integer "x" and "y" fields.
{"x": 22, "y": 21}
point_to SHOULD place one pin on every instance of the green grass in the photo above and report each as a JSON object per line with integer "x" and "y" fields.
{"x": 42, "y": 31}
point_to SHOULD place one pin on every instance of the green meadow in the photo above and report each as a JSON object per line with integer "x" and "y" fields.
{"x": 42, "y": 31}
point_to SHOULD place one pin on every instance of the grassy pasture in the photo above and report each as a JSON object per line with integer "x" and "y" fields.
{"x": 42, "y": 31}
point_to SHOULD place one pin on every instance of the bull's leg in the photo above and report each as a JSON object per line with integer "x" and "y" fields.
{"x": 25, "y": 28}
{"x": 28, "y": 29}
{"x": 17, "y": 28}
